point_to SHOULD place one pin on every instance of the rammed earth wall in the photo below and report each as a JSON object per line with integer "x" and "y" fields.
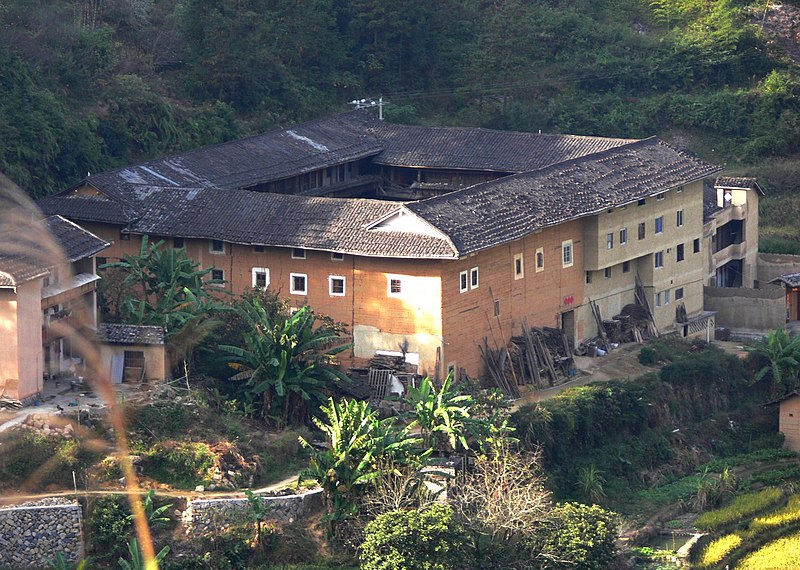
{"x": 32, "y": 536}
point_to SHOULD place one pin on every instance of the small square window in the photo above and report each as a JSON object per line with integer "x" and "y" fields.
{"x": 660, "y": 224}
{"x": 607, "y": 272}
{"x": 679, "y": 293}
{"x": 259, "y": 248}
{"x": 298, "y": 253}
{"x": 623, "y": 236}
{"x": 642, "y": 230}
{"x": 178, "y": 243}
{"x": 641, "y": 202}
{"x": 659, "y": 258}
{"x": 395, "y": 286}
{"x": 463, "y": 281}
{"x": 626, "y": 266}
{"x": 661, "y": 196}
{"x": 539, "y": 259}
{"x": 260, "y": 277}
{"x": 218, "y": 275}
{"x": 336, "y": 256}
{"x": 298, "y": 283}
{"x": 216, "y": 246}
{"x": 519, "y": 266}
{"x": 679, "y": 218}
{"x": 336, "y": 285}
{"x": 696, "y": 245}
{"x": 610, "y": 241}
{"x": 474, "y": 279}
{"x": 566, "y": 253}
{"x": 588, "y": 277}
{"x": 679, "y": 256}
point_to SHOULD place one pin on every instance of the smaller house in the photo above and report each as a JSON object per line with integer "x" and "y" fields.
{"x": 789, "y": 422}
{"x": 132, "y": 353}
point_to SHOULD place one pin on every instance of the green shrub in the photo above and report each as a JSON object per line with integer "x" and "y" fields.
{"x": 432, "y": 539}
{"x": 739, "y": 509}
{"x": 182, "y": 464}
{"x": 582, "y": 537}
{"x": 111, "y": 527}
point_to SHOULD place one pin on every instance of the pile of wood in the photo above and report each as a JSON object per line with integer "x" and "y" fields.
{"x": 540, "y": 356}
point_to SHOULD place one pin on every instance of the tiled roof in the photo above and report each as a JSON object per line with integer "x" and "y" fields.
{"x": 328, "y": 224}
{"x": 740, "y": 182}
{"x": 510, "y": 208}
{"x": 130, "y": 334}
{"x": 28, "y": 252}
{"x": 468, "y": 148}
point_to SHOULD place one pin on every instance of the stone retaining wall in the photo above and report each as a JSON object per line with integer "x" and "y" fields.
{"x": 32, "y": 535}
{"x": 208, "y": 515}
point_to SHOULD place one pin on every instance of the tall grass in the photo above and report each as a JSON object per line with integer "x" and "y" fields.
{"x": 739, "y": 509}
{"x": 781, "y": 554}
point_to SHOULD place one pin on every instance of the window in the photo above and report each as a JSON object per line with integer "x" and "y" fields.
{"x": 679, "y": 252}
{"x": 298, "y": 253}
{"x": 218, "y": 275}
{"x": 473, "y": 278}
{"x": 659, "y": 259}
{"x": 641, "y": 202}
{"x": 260, "y": 277}
{"x": 588, "y": 277}
{"x": 395, "y": 286}
{"x": 679, "y": 293}
{"x": 658, "y": 299}
{"x": 177, "y": 242}
{"x": 660, "y": 224}
{"x": 216, "y": 246}
{"x": 336, "y": 256}
{"x": 497, "y": 307}
{"x": 463, "y": 281}
{"x": 298, "y": 283}
{"x": 641, "y": 231}
{"x": 666, "y": 297}
{"x": 336, "y": 285}
{"x": 696, "y": 245}
{"x": 610, "y": 241}
{"x": 519, "y": 266}
{"x": 626, "y": 266}
{"x": 539, "y": 259}
{"x": 259, "y": 249}
{"x": 607, "y": 272}
{"x": 566, "y": 253}
{"x": 679, "y": 218}
{"x": 661, "y": 196}
{"x": 623, "y": 236}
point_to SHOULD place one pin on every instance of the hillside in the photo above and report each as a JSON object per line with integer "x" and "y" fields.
{"x": 92, "y": 84}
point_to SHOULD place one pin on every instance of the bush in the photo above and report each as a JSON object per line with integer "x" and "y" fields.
{"x": 739, "y": 509}
{"x": 582, "y": 538}
{"x": 432, "y": 539}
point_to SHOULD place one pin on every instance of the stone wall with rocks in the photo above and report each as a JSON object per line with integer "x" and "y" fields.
{"x": 209, "y": 515}
{"x": 32, "y": 534}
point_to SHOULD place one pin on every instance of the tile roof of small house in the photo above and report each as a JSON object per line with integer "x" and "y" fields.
{"x": 509, "y": 208}
{"x": 26, "y": 253}
{"x": 111, "y": 333}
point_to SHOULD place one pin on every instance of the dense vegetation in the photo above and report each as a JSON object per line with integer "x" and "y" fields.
{"x": 91, "y": 84}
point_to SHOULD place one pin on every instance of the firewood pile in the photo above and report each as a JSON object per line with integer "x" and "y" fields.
{"x": 540, "y": 357}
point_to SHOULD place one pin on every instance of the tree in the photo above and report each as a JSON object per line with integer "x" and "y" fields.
{"x": 286, "y": 363}
{"x": 782, "y": 354}
{"x": 170, "y": 292}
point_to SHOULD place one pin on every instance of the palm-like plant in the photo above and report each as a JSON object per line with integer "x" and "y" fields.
{"x": 783, "y": 355}
{"x": 442, "y": 415}
{"x": 285, "y": 362}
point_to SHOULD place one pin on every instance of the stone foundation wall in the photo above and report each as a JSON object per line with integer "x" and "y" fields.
{"x": 207, "y": 515}
{"x": 31, "y": 535}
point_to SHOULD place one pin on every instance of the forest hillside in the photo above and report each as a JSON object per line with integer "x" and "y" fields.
{"x": 87, "y": 85}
